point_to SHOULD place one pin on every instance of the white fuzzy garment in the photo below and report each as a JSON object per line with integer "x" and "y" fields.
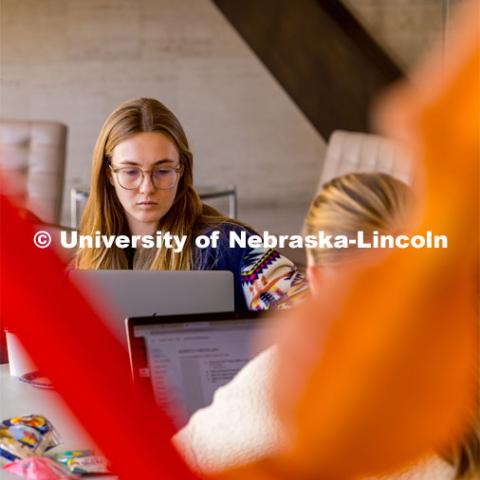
{"x": 239, "y": 427}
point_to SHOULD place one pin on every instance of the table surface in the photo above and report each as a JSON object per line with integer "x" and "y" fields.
{"x": 17, "y": 398}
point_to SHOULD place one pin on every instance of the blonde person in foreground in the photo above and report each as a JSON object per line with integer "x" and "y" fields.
{"x": 240, "y": 425}
{"x": 395, "y": 377}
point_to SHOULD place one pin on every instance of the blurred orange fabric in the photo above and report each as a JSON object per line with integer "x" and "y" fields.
{"x": 388, "y": 374}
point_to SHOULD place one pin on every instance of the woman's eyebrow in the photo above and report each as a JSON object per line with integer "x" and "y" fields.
{"x": 158, "y": 162}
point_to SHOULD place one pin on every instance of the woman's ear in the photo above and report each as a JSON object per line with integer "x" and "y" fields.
{"x": 315, "y": 278}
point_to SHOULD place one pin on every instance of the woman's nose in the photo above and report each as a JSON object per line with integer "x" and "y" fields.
{"x": 147, "y": 185}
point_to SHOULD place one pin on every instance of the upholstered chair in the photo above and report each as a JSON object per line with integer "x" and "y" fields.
{"x": 349, "y": 152}
{"x": 33, "y": 153}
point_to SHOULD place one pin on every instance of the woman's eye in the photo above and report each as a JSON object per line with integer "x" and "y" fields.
{"x": 161, "y": 172}
{"x": 131, "y": 173}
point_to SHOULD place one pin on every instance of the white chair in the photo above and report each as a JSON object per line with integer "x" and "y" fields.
{"x": 34, "y": 151}
{"x": 349, "y": 152}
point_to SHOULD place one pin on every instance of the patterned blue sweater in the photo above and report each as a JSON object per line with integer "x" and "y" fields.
{"x": 263, "y": 278}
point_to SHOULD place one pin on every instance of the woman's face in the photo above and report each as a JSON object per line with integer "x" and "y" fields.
{"x": 145, "y": 205}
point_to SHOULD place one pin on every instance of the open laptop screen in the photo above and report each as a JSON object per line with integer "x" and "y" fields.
{"x": 183, "y": 359}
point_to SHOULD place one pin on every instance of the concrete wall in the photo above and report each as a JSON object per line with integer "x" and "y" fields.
{"x": 76, "y": 60}
{"x": 405, "y": 28}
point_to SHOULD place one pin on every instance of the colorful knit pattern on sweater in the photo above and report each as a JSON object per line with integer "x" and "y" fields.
{"x": 270, "y": 280}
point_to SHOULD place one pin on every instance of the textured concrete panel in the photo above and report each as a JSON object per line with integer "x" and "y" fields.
{"x": 74, "y": 61}
{"x": 406, "y": 28}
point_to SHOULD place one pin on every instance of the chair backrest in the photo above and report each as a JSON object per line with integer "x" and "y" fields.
{"x": 35, "y": 151}
{"x": 349, "y": 152}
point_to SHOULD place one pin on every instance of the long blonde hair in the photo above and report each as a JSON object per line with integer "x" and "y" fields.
{"x": 366, "y": 202}
{"x": 103, "y": 212}
{"x": 371, "y": 202}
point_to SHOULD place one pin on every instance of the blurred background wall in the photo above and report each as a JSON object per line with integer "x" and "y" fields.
{"x": 407, "y": 29}
{"x": 75, "y": 60}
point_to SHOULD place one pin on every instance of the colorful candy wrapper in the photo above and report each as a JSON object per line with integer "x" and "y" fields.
{"x": 11, "y": 449}
{"x": 82, "y": 461}
{"x": 39, "y": 468}
{"x": 86, "y": 465}
{"x": 64, "y": 457}
{"x": 21, "y": 437}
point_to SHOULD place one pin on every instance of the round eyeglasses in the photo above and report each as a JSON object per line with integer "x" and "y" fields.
{"x": 163, "y": 178}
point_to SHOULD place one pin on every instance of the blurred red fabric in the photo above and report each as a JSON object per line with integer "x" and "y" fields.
{"x": 71, "y": 345}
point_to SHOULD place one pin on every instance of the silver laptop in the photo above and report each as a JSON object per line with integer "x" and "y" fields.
{"x": 182, "y": 359}
{"x": 119, "y": 294}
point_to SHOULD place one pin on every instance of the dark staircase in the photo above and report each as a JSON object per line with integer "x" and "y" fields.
{"x": 321, "y": 55}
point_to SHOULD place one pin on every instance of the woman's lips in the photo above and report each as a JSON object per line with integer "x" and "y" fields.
{"x": 147, "y": 204}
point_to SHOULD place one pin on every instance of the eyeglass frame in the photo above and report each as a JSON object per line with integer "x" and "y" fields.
{"x": 177, "y": 169}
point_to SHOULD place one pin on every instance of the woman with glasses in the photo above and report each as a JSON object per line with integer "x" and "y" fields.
{"x": 142, "y": 182}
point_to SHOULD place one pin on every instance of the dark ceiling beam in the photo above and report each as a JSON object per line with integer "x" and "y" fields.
{"x": 321, "y": 55}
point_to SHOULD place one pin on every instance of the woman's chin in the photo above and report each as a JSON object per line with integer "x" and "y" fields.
{"x": 148, "y": 217}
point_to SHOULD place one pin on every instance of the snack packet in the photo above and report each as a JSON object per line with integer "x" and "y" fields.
{"x": 82, "y": 461}
{"x": 25, "y": 436}
{"x": 64, "y": 457}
